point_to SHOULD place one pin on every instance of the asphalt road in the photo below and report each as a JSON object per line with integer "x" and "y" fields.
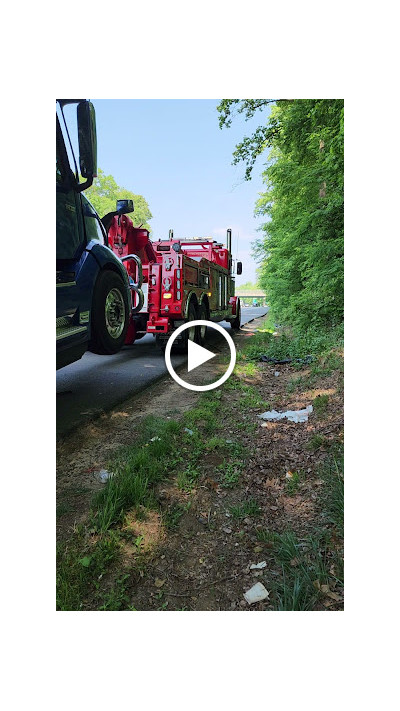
{"x": 96, "y": 384}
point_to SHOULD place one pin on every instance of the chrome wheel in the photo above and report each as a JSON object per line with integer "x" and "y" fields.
{"x": 115, "y": 313}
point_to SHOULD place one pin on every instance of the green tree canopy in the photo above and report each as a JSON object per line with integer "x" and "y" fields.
{"x": 248, "y": 285}
{"x": 104, "y": 193}
{"x": 301, "y": 250}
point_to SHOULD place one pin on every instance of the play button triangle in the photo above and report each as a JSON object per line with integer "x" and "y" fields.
{"x": 197, "y": 355}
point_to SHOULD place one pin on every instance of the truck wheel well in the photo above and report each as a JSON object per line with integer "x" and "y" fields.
{"x": 192, "y": 300}
{"x": 206, "y": 304}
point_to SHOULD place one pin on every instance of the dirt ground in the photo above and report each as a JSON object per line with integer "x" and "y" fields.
{"x": 204, "y": 562}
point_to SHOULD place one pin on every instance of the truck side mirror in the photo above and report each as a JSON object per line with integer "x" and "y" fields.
{"x": 124, "y": 206}
{"x": 238, "y": 268}
{"x": 87, "y": 141}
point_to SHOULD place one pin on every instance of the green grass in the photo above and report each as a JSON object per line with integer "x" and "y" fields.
{"x": 173, "y": 516}
{"x": 296, "y": 384}
{"x": 187, "y": 478}
{"x": 249, "y": 395}
{"x": 245, "y": 369}
{"x": 320, "y": 404}
{"x": 65, "y": 507}
{"x": 265, "y": 536}
{"x": 204, "y": 414}
{"x": 117, "y": 598}
{"x": 316, "y": 442}
{"x": 309, "y": 563}
{"x": 162, "y": 449}
{"x": 230, "y": 474}
{"x": 327, "y": 363}
{"x": 332, "y": 472}
{"x": 303, "y": 562}
{"x": 312, "y": 342}
{"x": 246, "y": 508}
{"x": 81, "y": 566}
{"x": 293, "y": 483}
{"x": 137, "y": 469}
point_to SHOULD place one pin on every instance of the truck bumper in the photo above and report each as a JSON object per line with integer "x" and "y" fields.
{"x": 159, "y": 325}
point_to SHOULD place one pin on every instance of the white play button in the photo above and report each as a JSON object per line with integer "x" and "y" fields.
{"x": 197, "y": 355}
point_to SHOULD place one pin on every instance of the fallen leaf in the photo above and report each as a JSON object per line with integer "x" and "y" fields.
{"x": 331, "y": 594}
{"x": 159, "y": 583}
{"x": 294, "y": 562}
{"x": 258, "y": 549}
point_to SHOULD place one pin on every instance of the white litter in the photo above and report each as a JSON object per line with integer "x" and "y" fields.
{"x": 258, "y": 566}
{"x": 276, "y": 373}
{"x": 103, "y": 475}
{"x": 155, "y": 439}
{"x": 188, "y": 430}
{"x": 256, "y": 593}
{"x": 291, "y": 415}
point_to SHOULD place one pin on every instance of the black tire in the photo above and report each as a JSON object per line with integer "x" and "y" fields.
{"x": 202, "y": 314}
{"x": 181, "y": 345}
{"x": 235, "y": 324}
{"x": 110, "y": 314}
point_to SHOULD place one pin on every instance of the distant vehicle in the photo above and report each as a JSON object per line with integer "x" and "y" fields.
{"x": 92, "y": 286}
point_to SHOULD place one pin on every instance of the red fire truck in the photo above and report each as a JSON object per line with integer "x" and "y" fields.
{"x": 174, "y": 281}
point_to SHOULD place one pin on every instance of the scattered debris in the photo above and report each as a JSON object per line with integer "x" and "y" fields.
{"x": 188, "y": 430}
{"x": 155, "y": 439}
{"x": 276, "y": 373}
{"x": 291, "y": 415}
{"x": 256, "y": 593}
{"x": 289, "y": 475}
{"x": 258, "y": 566}
{"x": 103, "y": 475}
{"x": 227, "y": 530}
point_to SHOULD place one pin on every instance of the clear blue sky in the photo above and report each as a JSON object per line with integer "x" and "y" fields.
{"x": 174, "y": 154}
